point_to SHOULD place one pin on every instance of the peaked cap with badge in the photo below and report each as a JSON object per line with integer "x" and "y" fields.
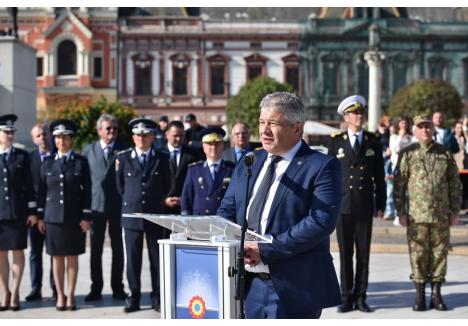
{"x": 7, "y": 122}
{"x": 142, "y": 126}
{"x": 212, "y": 135}
{"x": 63, "y": 127}
{"x": 352, "y": 103}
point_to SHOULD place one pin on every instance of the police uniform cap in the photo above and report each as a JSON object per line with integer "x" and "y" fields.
{"x": 212, "y": 134}
{"x": 190, "y": 117}
{"x": 421, "y": 118}
{"x": 352, "y": 103}
{"x": 7, "y": 122}
{"x": 142, "y": 126}
{"x": 62, "y": 127}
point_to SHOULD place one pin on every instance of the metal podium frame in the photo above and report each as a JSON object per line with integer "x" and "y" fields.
{"x": 212, "y": 233}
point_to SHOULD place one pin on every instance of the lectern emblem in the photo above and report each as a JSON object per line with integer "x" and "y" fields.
{"x": 197, "y": 307}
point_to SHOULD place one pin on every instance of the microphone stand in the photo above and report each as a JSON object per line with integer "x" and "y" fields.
{"x": 240, "y": 275}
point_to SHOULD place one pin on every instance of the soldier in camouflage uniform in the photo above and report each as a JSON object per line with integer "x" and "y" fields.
{"x": 427, "y": 197}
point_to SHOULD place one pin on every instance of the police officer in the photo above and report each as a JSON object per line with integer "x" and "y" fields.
{"x": 427, "y": 196}
{"x": 143, "y": 179}
{"x": 17, "y": 211}
{"x": 360, "y": 154}
{"x": 64, "y": 207}
{"x": 207, "y": 181}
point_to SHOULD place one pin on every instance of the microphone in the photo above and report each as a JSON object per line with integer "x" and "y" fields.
{"x": 249, "y": 158}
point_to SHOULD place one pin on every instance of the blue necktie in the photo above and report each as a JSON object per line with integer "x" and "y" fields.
{"x": 258, "y": 203}
{"x": 143, "y": 161}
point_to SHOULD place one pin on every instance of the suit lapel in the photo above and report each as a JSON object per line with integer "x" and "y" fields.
{"x": 258, "y": 164}
{"x": 99, "y": 154}
{"x": 207, "y": 176}
{"x": 295, "y": 166}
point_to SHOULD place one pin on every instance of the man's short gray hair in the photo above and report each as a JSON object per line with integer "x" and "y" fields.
{"x": 105, "y": 117}
{"x": 287, "y": 103}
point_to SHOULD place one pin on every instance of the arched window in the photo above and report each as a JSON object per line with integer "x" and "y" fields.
{"x": 66, "y": 58}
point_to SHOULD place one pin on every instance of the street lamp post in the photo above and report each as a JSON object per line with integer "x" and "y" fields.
{"x": 374, "y": 59}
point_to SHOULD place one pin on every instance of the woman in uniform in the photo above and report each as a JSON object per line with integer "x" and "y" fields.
{"x": 65, "y": 209}
{"x": 17, "y": 211}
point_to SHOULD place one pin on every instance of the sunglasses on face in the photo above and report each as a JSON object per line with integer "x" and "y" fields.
{"x": 111, "y": 128}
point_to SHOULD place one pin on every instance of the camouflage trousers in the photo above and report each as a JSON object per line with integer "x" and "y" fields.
{"x": 428, "y": 248}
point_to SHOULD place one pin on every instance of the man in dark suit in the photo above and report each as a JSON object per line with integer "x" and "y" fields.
{"x": 192, "y": 134}
{"x": 442, "y": 135}
{"x": 106, "y": 207}
{"x": 240, "y": 137}
{"x": 295, "y": 197}
{"x": 143, "y": 180}
{"x": 207, "y": 180}
{"x": 41, "y": 137}
{"x": 360, "y": 154}
{"x": 180, "y": 157}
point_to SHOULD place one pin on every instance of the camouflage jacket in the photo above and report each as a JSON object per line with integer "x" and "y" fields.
{"x": 427, "y": 186}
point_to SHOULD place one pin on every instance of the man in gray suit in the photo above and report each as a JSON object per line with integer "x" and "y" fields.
{"x": 106, "y": 207}
{"x": 240, "y": 137}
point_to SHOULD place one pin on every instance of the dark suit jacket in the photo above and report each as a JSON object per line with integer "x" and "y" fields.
{"x": 229, "y": 154}
{"x": 65, "y": 194}
{"x": 106, "y": 200}
{"x": 142, "y": 191}
{"x": 302, "y": 217}
{"x": 178, "y": 174}
{"x": 363, "y": 175}
{"x": 17, "y": 198}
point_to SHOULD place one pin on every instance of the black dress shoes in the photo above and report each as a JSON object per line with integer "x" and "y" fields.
{"x": 120, "y": 295}
{"x": 93, "y": 296}
{"x": 155, "y": 302}
{"x": 133, "y": 304}
{"x": 361, "y": 305}
{"x": 34, "y": 295}
{"x": 344, "y": 307}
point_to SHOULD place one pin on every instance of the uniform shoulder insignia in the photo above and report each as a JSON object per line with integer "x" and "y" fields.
{"x": 336, "y": 133}
{"x": 195, "y": 163}
{"x": 259, "y": 148}
{"x": 410, "y": 147}
{"x": 124, "y": 151}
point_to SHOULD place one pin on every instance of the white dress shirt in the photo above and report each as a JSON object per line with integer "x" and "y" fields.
{"x": 439, "y": 135}
{"x": 352, "y": 139}
{"x": 171, "y": 149}
{"x": 140, "y": 153}
{"x": 281, "y": 167}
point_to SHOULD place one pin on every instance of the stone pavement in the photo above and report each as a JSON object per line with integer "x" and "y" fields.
{"x": 390, "y": 293}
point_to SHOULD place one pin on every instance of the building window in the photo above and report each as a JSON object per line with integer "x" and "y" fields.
{"x": 437, "y": 67}
{"x": 291, "y": 72}
{"x": 331, "y": 78}
{"x": 66, "y": 58}
{"x": 218, "y": 74}
{"x": 97, "y": 67}
{"x": 363, "y": 78}
{"x": 142, "y": 68}
{"x": 465, "y": 73}
{"x": 39, "y": 66}
{"x": 400, "y": 72}
{"x": 256, "y": 66}
{"x": 180, "y": 74}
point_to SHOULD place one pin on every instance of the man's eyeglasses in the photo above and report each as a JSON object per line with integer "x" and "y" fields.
{"x": 111, "y": 128}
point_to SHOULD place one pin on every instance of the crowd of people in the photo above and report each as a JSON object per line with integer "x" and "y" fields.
{"x": 298, "y": 196}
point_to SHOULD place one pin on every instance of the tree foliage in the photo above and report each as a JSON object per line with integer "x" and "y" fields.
{"x": 245, "y": 105}
{"x": 426, "y": 97}
{"x": 85, "y": 117}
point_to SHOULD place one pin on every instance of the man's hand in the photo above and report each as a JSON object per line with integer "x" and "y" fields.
{"x": 403, "y": 219}
{"x": 379, "y": 213}
{"x": 172, "y": 202}
{"x": 84, "y": 225}
{"x": 32, "y": 220}
{"x": 252, "y": 254}
{"x": 41, "y": 226}
{"x": 454, "y": 218}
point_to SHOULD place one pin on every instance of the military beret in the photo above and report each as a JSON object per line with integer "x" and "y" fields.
{"x": 351, "y": 103}
{"x": 212, "y": 134}
{"x": 62, "y": 127}
{"x": 142, "y": 126}
{"x": 421, "y": 118}
{"x": 7, "y": 122}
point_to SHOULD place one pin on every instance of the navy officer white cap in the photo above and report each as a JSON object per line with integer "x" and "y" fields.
{"x": 350, "y": 103}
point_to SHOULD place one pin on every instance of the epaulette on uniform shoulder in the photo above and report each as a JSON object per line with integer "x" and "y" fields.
{"x": 195, "y": 163}
{"x": 124, "y": 151}
{"x": 259, "y": 148}
{"x": 336, "y": 133}
{"x": 410, "y": 147}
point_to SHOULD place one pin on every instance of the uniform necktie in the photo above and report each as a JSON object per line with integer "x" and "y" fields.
{"x": 213, "y": 171}
{"x": 356, "y": 146}
{"x": 4, "y": 158}
{"x": 143, "y": 161}
{"x": 258, "y": 203}
{"x": 174, "y": 157}
{"x": 63, "y": 161}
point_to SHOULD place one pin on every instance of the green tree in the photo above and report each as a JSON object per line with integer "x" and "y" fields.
{"x": 86, "y": 115}
{"x": 425, "y": 97}
{"x": 245, "y": 105}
